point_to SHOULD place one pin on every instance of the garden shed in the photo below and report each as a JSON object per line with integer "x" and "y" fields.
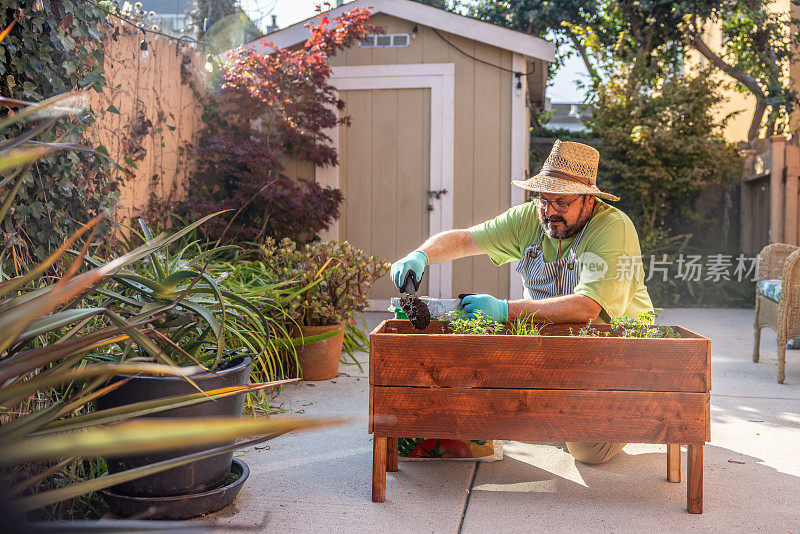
{"x": 439, "y": 128}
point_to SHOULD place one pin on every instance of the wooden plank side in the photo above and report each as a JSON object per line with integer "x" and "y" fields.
{"x": 539, "y": 362}
{"x": 371, "y": 410}
{"x": 541, "y": 415}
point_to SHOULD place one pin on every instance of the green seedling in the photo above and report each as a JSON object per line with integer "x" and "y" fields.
{"x": 480, "y": 324}
{"x": 526, "y": 326}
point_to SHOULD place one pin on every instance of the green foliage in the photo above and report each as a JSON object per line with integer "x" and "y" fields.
{"x": 659, "y": 150}
{"x": 646, "y": 42}
{"x": 47, "y": 53}
{"x": 588, "y": 330}
{"x": 757, "y": 42}
{"x": 52, "y": 336}
{"x": 642, "y": 326}
{"x": 337, "y": 275}
{"x": 639, "y": 326}
{"x": 480, "y": 324}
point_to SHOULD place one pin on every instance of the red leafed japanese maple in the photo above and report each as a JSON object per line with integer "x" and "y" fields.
{"x": 274, "y": 105}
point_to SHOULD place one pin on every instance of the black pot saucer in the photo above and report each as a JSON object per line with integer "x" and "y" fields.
{"x": 180, "y": 506}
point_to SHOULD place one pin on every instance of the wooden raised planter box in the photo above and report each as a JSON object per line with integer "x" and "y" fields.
{"x": 553, "y": 387}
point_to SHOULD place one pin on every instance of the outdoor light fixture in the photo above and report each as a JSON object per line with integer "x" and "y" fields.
{"x": 38, "y": 5}
{"x": 414, "y": 31}
{"x": 143, "y": 53}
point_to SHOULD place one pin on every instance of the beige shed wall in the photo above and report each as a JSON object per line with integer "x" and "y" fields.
{"x": 482, "y": 134}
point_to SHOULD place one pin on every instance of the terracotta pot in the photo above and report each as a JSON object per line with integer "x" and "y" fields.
{"x": 320, "y": 360}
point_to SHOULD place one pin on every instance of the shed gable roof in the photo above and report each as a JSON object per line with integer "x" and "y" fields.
{"x": 470, "y": 28}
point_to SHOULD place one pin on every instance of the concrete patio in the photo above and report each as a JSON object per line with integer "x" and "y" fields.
{"x": 320, "y": 480}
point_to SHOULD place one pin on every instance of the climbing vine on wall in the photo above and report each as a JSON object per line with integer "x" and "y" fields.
{"x": 51, "y": 51}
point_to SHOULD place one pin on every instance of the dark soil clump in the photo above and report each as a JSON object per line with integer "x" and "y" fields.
{"x": 416, "y": 311}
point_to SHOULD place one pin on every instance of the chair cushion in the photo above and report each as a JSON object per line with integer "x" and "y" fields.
{"x": 770, "y": 289}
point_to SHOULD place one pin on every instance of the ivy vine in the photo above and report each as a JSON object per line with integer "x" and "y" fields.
{"x": 49, "y": 52}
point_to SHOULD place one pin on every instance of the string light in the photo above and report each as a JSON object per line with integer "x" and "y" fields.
{"x": 38, "y": 5}
{"x": 143, "y": 53}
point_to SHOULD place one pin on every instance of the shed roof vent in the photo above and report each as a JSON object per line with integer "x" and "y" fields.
{"x": 385, "y": 41}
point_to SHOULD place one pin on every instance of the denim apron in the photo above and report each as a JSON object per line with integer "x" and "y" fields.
{"x": 542, "y": 280}
{"x": 548, "y": 279}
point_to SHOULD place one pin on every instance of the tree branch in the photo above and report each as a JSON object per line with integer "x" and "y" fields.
{"x": 585, "y": 57}
{"x": 738, "y": 75}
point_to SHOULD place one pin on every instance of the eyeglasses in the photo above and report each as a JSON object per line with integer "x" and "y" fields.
{"x": 558, "y": 205}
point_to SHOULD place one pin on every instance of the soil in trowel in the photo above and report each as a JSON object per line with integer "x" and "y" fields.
{"x": 416, "y": 311}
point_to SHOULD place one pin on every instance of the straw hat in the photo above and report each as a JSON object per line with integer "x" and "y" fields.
{"x": 571, "y": 168}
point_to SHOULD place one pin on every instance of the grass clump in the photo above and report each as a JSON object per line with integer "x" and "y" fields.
{"x": 526, "y": 326}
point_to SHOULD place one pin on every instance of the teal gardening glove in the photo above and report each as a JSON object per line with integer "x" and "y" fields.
{"x": 496, "y": 309}
{"x": 416, "y": 261}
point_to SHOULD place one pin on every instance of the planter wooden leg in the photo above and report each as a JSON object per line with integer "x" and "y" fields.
{"x": 673, "y": 462}
{"x": 379, "y": 469}
{"x": 391, "y": 455}
{"x": 694, "y": 478}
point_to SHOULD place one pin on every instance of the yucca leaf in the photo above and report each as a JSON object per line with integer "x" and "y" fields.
{"x": 54, "y": 106}
{"x": 57, "y": 320}
{"x": 8, "y": 29}
{"x": 14, "y": 142}
{"x": 16, "y": 392}
{"x": 147, "y": 437}
{"x": 169, "y": 283}
{"x": 305, "y": 340}
{"x": 81, "y": 488}
{"x": 139, "y": 409}
{"x": 26, "y": 361}
{"x": 9, "y": 197}
{"x": 30, "y": 423}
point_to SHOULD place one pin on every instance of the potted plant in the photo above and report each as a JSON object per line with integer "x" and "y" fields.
{"x": 55, "y": 321}
{"x": 199, "y": 324}
{"x": 337, "y": 277}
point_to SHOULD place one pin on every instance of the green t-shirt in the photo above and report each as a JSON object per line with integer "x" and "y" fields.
{"x": 609, "y": 258}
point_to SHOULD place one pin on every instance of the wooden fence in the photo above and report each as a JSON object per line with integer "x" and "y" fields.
{"x": 769, "y": 197}
{"x": 149, "y": 115}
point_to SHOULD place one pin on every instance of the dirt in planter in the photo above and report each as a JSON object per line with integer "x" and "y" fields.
{"x": 416, "y": 311}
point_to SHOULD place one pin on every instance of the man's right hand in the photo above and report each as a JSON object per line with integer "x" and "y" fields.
{"x": 416, "y": 261}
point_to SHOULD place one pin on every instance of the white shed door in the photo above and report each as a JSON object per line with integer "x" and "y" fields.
{"x": 385, "y": 174}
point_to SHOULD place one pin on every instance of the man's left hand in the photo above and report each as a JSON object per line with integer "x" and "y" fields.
{"x": 496, "y": 309}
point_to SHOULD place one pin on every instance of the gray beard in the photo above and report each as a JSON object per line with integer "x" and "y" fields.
{"x": 568, "y": 231}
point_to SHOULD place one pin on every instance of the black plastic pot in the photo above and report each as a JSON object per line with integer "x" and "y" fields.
{"x": 198, "y": 476}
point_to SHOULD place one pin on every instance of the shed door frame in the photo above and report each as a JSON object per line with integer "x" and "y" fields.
{"x": 440, "y": 79}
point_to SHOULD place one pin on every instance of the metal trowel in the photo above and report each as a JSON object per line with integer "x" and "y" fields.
{"x": 414, "y": 308}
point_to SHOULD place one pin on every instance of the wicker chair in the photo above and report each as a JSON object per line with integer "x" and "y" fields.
{"x": 778, "y": 261}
